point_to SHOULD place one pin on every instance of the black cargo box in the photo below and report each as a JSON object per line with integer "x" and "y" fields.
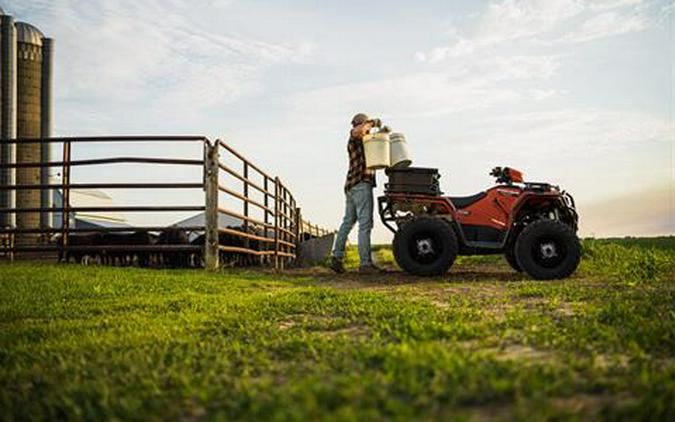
{"x": 413, "y": 180}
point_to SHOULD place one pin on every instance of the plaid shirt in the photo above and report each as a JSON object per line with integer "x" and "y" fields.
{"x": 357, "y": 165}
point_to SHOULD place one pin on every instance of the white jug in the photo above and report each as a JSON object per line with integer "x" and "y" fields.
{"x": 376, "y": 150}
{"x": 399, "y": 155}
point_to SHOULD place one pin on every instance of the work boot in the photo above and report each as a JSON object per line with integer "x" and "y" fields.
{"x": 336, "y": 265}
{"x": 370, "y": 269}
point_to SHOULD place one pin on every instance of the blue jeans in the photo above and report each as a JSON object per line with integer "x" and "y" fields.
{"x": 358, "y": 207}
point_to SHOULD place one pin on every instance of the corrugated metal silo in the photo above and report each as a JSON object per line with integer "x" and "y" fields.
{"x": 28, "y": 124}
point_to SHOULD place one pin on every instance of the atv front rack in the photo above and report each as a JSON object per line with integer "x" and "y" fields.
{"x": 384, "y": 208}
{"x": 396, "y": 208}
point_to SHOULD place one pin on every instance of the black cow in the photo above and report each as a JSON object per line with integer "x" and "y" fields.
{"x": 228, "y": 258}
{"x": 242, "y": 258}
{"x": 197, "y": 258}
{"x": 124, "y": 256}
{"x": 306, "y": 236}
{"x": 232, "y": 258}
{"x": 174, "y": 259}
{"x": 81, "y": 255}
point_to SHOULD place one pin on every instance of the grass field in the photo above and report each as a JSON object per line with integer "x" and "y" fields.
{"x": 481, "y": 343}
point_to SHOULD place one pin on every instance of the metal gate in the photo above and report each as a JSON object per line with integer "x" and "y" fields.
{"x": 272, "y": 238}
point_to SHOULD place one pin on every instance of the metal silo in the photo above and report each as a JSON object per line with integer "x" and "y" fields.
{"x": 7, "y": 114}
{"x": 28, "y": 124}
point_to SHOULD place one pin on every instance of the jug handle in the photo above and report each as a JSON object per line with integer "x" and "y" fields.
{"x": 383, "y": 129}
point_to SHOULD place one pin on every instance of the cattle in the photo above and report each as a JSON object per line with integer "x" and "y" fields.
{"x": 110, "y": 248}
{"x": 226, "y": 258}
{"x": 243, "y": 258}
{"x": 99, "y": 253}
{"x": 174, "y": 259}
{"x": 306, "y": 236}
{"x": 197, "y": 258}
{"x": 232, "y": 258}
{"x": 230, "y": 239}
{"x": 81, "y": 255}
{"x": 123, "y": 256}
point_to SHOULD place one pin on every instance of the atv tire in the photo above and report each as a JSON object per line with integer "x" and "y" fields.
{"x": 548, "y": 249}
{"x": 510, "y": 256}
{"x": 425, "y": 246}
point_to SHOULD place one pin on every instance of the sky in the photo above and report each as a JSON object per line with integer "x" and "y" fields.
{"x": 578, "y": 93}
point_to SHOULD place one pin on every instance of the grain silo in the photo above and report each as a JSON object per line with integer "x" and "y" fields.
{"x": 33, "y": 120}
{"x": 28, "y": 123}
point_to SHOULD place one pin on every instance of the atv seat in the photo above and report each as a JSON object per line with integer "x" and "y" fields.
{"x": 465, "y": 201}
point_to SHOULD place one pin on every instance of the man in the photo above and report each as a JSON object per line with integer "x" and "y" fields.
{"x": 359, "y": 198}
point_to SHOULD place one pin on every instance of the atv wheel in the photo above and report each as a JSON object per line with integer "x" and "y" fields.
{"x": 510, "y": 256}
{"x": 425, "y": 246}
{"x": 548, "y": 249}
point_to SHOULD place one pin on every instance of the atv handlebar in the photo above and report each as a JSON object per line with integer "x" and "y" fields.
{"x": 507, "y": 175}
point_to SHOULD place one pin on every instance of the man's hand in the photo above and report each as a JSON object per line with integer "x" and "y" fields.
{"x": 358, "y": 132}
{"x": 362, "y": 130}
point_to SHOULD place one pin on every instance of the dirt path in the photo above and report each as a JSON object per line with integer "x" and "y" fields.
{"x": 395, "y": 278}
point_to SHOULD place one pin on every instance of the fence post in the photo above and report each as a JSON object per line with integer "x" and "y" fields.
{"x": 276, "y": 223}
{"x": 246, "y": 240}
{"x": 285, "y": 224}
{"x": 266, "y": 219}
{"x": 65, "y": 200}
{"x": 211, "y": 210}
{"x": 298, "y": 229}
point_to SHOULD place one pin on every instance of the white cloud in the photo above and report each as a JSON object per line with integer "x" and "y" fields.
{"x": 511, "y": 19}
{"x": 605, "y": 25}
{"x": 602, "y": 5}
{"x": 541, "y": 21}
{"x": 408, "y": 96}
{"x": 505, "y": 21}
{"x": 476, "y": 84}
{"x": 570, "y": 131}
{"x": 542, "y": 94}
{"x": 667, "y": 9}
{"x": 132, "y": 52}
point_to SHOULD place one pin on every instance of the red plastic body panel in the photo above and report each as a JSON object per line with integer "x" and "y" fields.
{"x": 494, "y": 210}
{"x": 516, "y": 175}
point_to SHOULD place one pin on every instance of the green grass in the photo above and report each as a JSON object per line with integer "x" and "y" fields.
{"x": 664, "y": 243}
{"x": 481, "y": 343}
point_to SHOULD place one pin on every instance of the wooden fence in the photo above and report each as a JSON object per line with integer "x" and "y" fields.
{"x": 272, "y": 238}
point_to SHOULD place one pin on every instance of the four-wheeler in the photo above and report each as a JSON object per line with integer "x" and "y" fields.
{"x": 533, "y": 224}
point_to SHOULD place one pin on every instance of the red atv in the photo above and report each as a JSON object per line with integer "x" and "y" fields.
{"x": 533, "y": 224}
